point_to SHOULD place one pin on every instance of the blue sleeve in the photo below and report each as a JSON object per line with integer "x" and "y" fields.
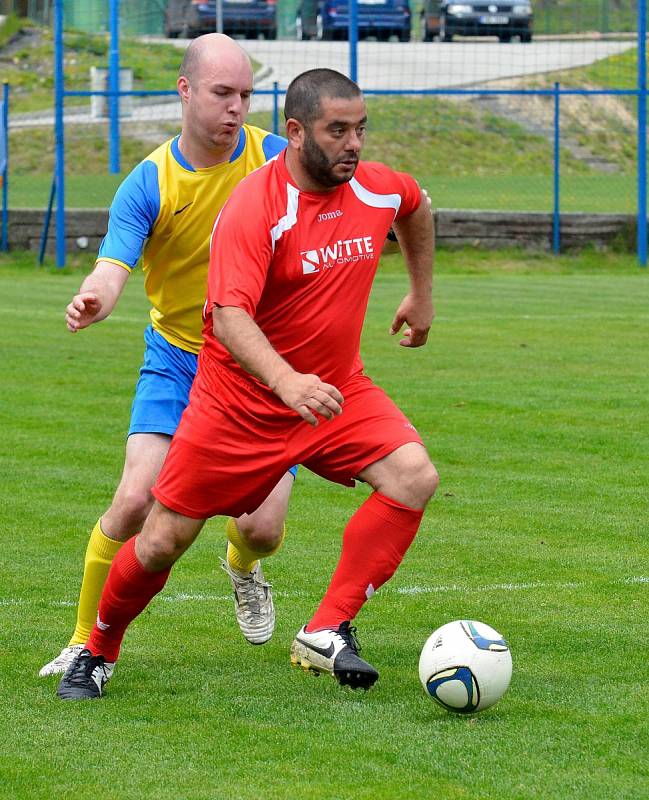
{"x": 272, "y": 145}
{"x": 133, "y": 213}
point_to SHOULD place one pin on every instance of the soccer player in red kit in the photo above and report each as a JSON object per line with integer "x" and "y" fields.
{"x": 280, "y": 380}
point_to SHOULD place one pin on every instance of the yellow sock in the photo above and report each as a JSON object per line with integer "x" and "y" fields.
{"x": 99, "y": 556}
{"x": 240, "y": 556}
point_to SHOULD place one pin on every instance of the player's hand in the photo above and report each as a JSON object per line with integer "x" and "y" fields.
{"x": 418, "y": 314}
{"x": 82, "y": 311}
{"x": 428, "y": 200}
{"x": 308, "y": 395}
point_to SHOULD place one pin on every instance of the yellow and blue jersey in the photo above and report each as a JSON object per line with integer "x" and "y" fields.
{"x": 164, "y": 211}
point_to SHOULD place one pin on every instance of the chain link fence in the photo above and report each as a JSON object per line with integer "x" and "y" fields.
{"x": 509, "y": 113}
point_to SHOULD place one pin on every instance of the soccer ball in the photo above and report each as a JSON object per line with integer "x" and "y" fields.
{"x": 465, "y": 666}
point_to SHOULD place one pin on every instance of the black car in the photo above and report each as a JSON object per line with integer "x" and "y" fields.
{"x": 190, "y": 18}
{"x": 501, "y": 18}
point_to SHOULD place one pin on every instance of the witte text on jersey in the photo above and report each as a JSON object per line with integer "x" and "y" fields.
{"x": 343, "y": 251}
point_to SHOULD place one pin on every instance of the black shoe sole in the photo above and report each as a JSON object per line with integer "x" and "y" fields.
{"x": 355, "y": 679}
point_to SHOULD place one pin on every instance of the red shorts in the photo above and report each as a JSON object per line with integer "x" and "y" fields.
{"x": 231, "y": 448}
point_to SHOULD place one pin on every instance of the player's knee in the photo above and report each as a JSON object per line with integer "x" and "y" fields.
{"x": 262, "y": 532}
{"x": 132, "y": 504}
{"x": 426, "y": 482}
{"x": 419, "y": 484}
{"x": 159, "y": 550}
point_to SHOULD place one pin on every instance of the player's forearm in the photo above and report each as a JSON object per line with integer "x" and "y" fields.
{"x": 246, "y": 343}
{"x": 416, "y": 234}
{"x": 106, "y": 281}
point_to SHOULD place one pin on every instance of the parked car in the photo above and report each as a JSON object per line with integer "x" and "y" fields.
{"x": 329, "y": 19}
{"x": 501, "y": 18}
{"x": 190, "y": 18}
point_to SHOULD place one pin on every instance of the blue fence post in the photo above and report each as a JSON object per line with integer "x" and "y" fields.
{"x": 353, "y": 39}
{"x": 4, "y": 167}
{"x": 642, "y": 134}
{"x": 46, "y": 221}
{"x": 556, "y": 214}
{"x": 113, "y": 87}
{"x": 275, "y": 108}
{"x": 59, "y": 168}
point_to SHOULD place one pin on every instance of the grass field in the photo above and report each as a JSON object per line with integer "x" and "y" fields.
{"x": 532, "y": 397}
{"x": 603, "y": 194}
{"x": 460, "y": 161}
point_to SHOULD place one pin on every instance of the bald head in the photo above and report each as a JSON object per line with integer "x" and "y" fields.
{"x": 210, "y": 52}
{"x": 215, "y": 87}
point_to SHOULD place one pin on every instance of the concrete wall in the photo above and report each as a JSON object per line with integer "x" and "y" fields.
{"x": 532, "y": 230}
{"x": 485, "y": 229}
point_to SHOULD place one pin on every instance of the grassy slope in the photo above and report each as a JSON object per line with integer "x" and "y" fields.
{"x": 532, "y": 398}
{"x": 606, "y": 126}
{"x": 566, "y": 16}
{"x": 32, "y": 81}
{"x": 9, "y": 28}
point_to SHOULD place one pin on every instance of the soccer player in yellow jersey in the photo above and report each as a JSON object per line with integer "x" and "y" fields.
{"x": 164, "y": 212}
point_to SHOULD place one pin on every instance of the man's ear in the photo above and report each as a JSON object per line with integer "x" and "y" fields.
{"x": 182, "y": 84}
{"x": 294, "y": 133}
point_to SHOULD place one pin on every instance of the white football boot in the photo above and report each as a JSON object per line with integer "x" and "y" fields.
{"x": 333, "y": 650}
{"x": 253, "y": 603}
{"x": 60, "y": 664}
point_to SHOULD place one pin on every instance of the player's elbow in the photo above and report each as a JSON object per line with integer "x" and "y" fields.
{"x": 221, "y": 323}
{"x": 229, "y": 323}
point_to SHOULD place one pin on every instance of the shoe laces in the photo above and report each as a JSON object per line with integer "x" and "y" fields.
{"x": 83, "y": 667}
{"x": 347, "y": 633}
{"x": 247, "y": 588}
{"x": 66, "y": 654}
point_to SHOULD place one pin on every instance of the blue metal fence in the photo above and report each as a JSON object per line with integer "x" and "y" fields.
{"x": 556, "y": 210}
{"x": 642, "y": 133}
{"x": 58, "y": 189}
{"x": 556, "y": 93}
{"x": 4, "y": 166}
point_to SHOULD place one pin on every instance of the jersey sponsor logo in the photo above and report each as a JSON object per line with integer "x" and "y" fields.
{"x": 330, "y": 215}
{"x": 310, "y": 261}
{"x": 344, "y": 251}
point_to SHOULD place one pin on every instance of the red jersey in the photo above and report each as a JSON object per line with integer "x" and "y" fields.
{"x": 302, "y": 264}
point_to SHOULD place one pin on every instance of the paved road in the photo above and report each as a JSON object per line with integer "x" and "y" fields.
{"x": 392, "y": 65}
{"x": 420, "y": 65}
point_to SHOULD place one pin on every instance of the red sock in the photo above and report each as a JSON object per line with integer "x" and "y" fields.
{"x": 374, "y": 543}
{"x": 128, "y": 590}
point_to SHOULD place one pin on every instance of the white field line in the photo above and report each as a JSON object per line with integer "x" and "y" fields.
{"x": 186, "y": 597}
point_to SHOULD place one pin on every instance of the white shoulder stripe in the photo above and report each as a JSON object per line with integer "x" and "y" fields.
{"x": 375, "y": 200}
{"x": 216, "y": 222}
{"x": 290, "y": 218}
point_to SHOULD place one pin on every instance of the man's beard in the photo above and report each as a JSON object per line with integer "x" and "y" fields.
{"x": 319, "y": 167}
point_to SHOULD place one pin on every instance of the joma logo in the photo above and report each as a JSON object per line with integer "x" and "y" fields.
{"x": 329, "y": 215}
